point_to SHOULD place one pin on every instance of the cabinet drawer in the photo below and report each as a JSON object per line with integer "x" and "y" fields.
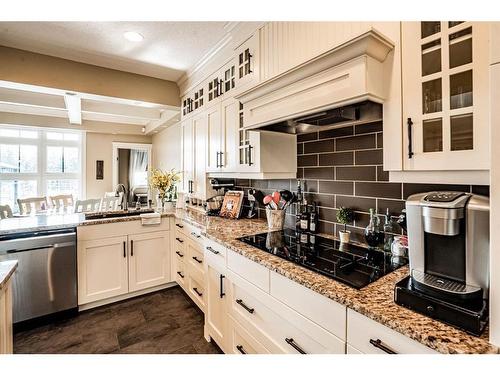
{"x": 323, "y": 311}
{"x": 197, "y": 292}
{"x": 180, "y": 239}
{"x": 249, "y": 270}
{"x": 215, "y": 251}
{"x": 242, "y": 342}
{"x": 371, "y": 337}
{"x": 180, "y": 274}
{"x": 180, "y": 225}
{"x": 278, "y": 327}
{"x": 195, "y": 261}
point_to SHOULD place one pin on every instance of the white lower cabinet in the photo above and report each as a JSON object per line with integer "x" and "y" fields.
{"x": 216, "y": 323}
{"x": 241, "y": 342}
{"x": 102, "y": 269}
{"x": 6, "y": 333}
{"x": 132, "y": 259}
{"x": 367, "y": 336}
{"x": 149, "y": 261}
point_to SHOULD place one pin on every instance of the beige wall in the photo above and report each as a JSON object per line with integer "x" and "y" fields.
{"x": 100, "y": 147}
{"x": 167, "y": 148}
{"x": 42, "y": 70}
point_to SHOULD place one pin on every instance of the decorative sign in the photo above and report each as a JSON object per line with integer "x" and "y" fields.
{"x": 99, "y": 170}
{"x": 232, "y": 204}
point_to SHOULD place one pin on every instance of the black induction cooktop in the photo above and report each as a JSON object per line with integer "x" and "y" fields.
{"x": 353, "y": 265}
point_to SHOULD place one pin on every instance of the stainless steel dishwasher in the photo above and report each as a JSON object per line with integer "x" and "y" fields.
{"x": 45, "y": 281}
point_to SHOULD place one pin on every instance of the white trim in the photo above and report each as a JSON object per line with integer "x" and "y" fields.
{"x": 442, "y": 177}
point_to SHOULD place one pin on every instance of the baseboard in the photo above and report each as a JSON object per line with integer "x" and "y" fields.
{"x": 122, "y": 297}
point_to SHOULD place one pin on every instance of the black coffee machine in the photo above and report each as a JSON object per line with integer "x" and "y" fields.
{"x": 448, "y": 240}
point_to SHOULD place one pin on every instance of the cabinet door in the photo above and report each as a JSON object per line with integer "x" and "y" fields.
{"x": 102, "y": 269}
{"x": 6, "y": 333}
{"x": 149, "y": 260}
{"x": 187, "y": 155}
{"x": 216, "y": 305}
{"x": 214, "y": 138}
{"x": 248, "y": 143}
{"x": 445, "y": 95}
{"x": 200, "y": 137}
{"x": 229, "y": 140}
{"x": 247, "y": 55}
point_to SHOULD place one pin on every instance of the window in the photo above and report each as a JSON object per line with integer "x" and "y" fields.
{"x": 39, "y": 162}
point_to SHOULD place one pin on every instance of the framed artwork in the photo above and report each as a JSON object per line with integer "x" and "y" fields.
{"x": 99, "y": 170}
{"x": 232, "y": 204}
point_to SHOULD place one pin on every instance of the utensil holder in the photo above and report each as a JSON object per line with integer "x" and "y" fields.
{"x": 275, "y": 219}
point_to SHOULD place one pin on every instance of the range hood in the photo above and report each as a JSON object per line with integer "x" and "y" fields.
{"x": 333, "y": 118}
{"x": 344, "y": 85}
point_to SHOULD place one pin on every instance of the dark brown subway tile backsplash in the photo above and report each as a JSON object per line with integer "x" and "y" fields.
{"x": 343, "y": 167}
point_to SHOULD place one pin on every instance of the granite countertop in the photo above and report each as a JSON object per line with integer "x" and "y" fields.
{"x": 7, "y": 269}
{"x": 376, "y": 301}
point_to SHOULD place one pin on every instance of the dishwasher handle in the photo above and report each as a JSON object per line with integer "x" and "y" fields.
{"x": 51, "y": 246}
{"x": 36, "y": 243}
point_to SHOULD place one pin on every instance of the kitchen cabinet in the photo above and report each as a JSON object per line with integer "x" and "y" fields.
{"x": 367, "y": 336}
{"x": 6, "y": 333}
{"x": 149, "y": 260}
{"x": 102, "y": 268}
{"x": 216, "y": 313}
{"x": 215, "y": 137}
{"x": 247, "y": 63}
{"x": 445, "y": 95}
{"x": 187, "y": 156}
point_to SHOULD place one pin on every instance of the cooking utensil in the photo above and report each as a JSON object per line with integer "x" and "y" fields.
{"x": 259, "y": 196}
{"x": 286, "y": 195}
{"x": 276, "y": 197}
{"x": 293, "y": 199}
{"x": 268, "y": 200}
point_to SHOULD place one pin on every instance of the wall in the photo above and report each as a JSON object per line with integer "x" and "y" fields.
{"x": 42, "y": 70}
{"x": 124, "y": 167}
{"x": 167, "y": 148}
{"x": 100, "y": 147}
{"x": 343, "y": 167}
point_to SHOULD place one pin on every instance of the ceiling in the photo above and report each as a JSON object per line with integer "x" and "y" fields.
{"x": 167, "y": 51}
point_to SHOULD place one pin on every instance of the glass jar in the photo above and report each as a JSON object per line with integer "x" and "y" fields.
{"x": 399, "y": 246}
{"x": 373, "y": 235}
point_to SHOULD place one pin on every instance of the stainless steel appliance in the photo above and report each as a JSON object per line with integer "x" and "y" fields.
{"x": 448, "y": 239}
{"x": 350, "y": 264}
{"x": 46, "y": 280}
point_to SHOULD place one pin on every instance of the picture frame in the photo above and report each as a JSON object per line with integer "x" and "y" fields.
{"x": 232, "y": 204}
{"x": 99, "y": 170}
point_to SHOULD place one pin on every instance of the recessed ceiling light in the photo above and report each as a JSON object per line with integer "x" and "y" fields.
{"x": 133, "y": 36}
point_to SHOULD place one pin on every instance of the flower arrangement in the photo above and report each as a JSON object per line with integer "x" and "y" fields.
{"x": 164, "y": 182}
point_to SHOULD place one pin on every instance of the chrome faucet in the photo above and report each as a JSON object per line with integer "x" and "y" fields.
{"x": 120, "y": 188}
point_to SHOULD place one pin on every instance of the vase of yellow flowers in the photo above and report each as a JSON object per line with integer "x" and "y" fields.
{"x": 165, "y": 183}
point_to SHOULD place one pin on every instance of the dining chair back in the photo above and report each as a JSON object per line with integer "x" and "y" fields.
{"x": 30, "y": 205}
{"x": 110, "y": 203}
{"x": 87, "y": 205}
{"x": 61, "y": 201}
{"x": 5, "y": 211}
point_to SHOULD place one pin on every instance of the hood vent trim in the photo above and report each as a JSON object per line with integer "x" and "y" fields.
{"x": 321, "y": 91}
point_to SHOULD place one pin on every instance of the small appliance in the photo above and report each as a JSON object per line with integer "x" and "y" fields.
{"x": 448, "y": 241}
{"x": 350, "y": 264}
{"x": 221, "y": 186}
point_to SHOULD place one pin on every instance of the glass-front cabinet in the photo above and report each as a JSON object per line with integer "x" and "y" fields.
{"x": 445, "y": 95}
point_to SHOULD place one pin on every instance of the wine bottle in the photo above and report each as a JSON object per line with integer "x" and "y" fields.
{"x": 313, "y": 219}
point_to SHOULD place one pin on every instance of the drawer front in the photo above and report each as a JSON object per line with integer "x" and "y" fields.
{"x": 242, "y": 342}
{"x": 195, "y": 260}
{"x": 371, "y": 337}
{"x": 249, "y": 270}
{"x": 180, "y": 239}
{"x": 180, "y": 225}
{"x": 215, "y": 251}
{"x": 278, "y": 327}
{"x": 180, "y": 275}
{"x": 197, "y": 292}
{"x": 323, "y": 311}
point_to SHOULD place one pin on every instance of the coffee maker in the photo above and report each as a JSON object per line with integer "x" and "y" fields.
{"x": 448, "y": 241}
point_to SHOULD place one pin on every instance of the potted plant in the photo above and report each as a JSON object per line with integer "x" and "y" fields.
{"x": 345, "y": 216}
{"x": 165, "y": 183}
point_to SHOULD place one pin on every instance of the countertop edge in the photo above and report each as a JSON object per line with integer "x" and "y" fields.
{"x": 7, "y": 269}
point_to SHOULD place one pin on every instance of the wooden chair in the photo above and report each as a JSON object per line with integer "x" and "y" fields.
{"x": 61, "y": 201}
{"x": 87, "y": 205}
{"x": 110, "y": 203}
{"x": 35, "y": 204}
{"x": 5, "y": 211}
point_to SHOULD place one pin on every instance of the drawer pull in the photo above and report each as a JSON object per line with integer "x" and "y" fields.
{"x": 124, "y": 249}
{"x": 132, "y": 248}
{"x": 179, "y": 253}
{"x": 380, "y": 345}
{"x": 242, "y": 304}
{"x": 240, "y": 349}
{"x": 197, "y": 292}
{"x": 178, "y": 239}
{"x": 294, "y": 345}
{"x": 180, "y": 274}
{"x": 196, "y": 259}
{"x": 209, "y": 248}
{"x": 196, "y": 235}
{"x": 179, "y": 226}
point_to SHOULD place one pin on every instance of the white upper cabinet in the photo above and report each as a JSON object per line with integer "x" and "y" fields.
{"x": 247, "y": 63}
{"x": 214, "y": 138}
{"x": 445, "y": 95}
{"x": 187, "y": 156}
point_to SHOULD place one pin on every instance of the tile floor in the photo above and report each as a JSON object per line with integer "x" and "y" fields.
{"x": 162, "y": 322}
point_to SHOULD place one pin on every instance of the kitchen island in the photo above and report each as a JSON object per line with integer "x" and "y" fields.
{"x": 7, "y": 269}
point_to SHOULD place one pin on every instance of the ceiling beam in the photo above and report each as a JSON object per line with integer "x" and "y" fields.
{"x": 74, "y": 107}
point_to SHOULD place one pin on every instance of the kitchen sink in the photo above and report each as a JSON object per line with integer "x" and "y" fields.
{"x": 112, "y": 214}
